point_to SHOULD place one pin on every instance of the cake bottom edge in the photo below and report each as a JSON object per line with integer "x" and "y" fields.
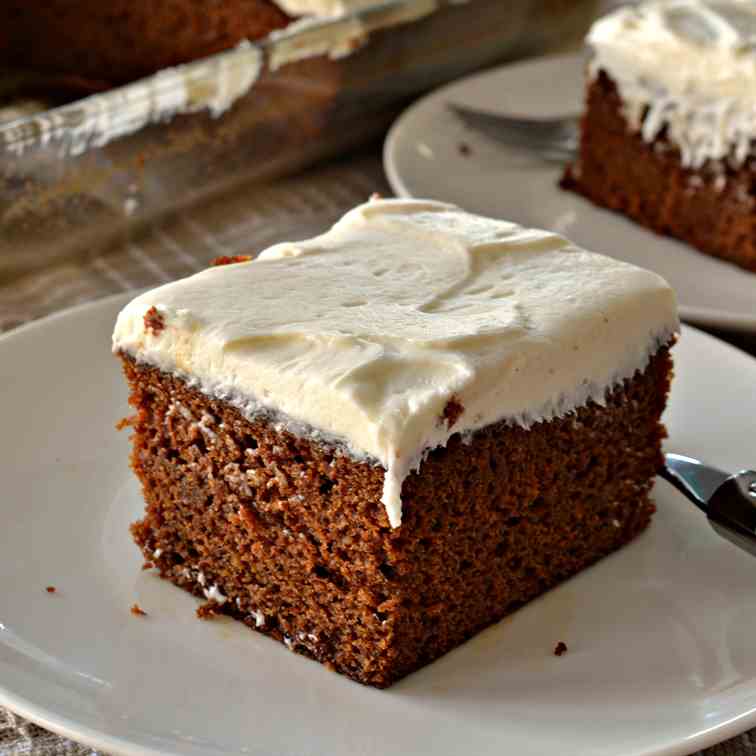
{"x": 307, "y": 646}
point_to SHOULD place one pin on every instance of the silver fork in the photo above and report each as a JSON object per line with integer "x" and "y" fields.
{"x": 553, "y": 139}
{"x": 729, "y": 501}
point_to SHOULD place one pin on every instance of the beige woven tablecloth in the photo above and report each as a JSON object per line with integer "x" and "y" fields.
{"x": 251, "y": 220}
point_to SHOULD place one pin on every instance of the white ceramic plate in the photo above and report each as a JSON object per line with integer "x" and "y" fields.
{"x": 422, "y": 158}
{"x": 662, "y": 653}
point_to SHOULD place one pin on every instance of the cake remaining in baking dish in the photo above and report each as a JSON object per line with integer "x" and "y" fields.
{"x": 670, "y": 122}
{"x": 121, "y": 40}
{"x": 372, "y": 444}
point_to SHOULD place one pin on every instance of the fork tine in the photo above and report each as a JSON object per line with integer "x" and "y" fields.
{"x": 555, "y": 156}
{"x": 523, "y": 138}
{"x": 535, "y": 141}
{"x": 566, "y": 126}
{"x": 556, "y": 150}
{"x": 553, "y": 138}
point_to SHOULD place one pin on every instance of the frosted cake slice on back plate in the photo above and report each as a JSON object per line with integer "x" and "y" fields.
{"x": 669, "y": 129}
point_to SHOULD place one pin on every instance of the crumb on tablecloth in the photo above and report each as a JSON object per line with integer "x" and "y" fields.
{"x": 229, "y": 260}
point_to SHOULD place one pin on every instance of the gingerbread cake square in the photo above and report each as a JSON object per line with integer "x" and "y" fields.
{"x": 669, "y": 128}
{"x": 372, "y": 444}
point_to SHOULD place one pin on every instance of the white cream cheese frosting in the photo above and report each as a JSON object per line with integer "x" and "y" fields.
{"x": 213, "y": 84}
{"x": 340, "y": 33}
{"x": 692, "y": 64}
{"x": 365, "y": 333}
{"x": 322, "y": 7}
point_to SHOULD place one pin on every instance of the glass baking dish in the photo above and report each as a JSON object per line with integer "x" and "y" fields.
{"x": 99, "y": 170}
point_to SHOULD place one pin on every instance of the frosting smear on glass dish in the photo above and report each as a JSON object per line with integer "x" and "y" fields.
{"x": 405, "y": 323}
{"x": 322, "y": 7}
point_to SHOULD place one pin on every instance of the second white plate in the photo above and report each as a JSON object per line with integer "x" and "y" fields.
{"x": 423, "y": 158}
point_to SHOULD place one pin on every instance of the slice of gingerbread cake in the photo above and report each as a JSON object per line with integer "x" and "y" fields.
{"x": 372, "y": 444}
{"x": 669, "y": 130}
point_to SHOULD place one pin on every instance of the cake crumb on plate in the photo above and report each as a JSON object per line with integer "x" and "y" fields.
{"x": 452, "y": 411}
{"x": 208, "y": 610}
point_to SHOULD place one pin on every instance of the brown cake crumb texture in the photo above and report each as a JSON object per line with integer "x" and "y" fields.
{"x": 153, "y": 321}
{"x": 560, "y": 649}
{"x": 293, "y": 534}
{"x": 712, "y": 208}
{"x": 137, "y": 611}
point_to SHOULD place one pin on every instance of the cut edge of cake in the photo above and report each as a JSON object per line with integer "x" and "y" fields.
{"x": 293, "y": 541}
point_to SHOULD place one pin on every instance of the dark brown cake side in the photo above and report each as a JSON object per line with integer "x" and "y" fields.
{"x": 121, "y": 40}
{"x": 292, "y": 538}
{"x": 713, "y": 209}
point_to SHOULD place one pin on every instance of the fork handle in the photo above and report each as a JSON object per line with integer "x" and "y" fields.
{"x": 732, "y": 510}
